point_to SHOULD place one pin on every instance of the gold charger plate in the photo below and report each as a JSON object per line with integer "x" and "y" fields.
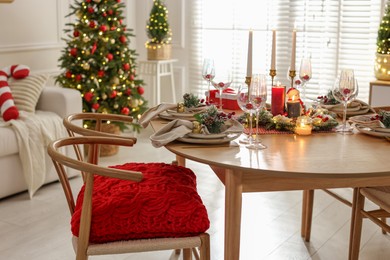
{"x": 223, "y": 140}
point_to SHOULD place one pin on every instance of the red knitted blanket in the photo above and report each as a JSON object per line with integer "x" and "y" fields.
{"x": 164, "y": 204}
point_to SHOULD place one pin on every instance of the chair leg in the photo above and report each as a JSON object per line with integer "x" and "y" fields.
{"x": 307, "y": 213}
{"x": 187, "y": 254}
{"x": 383, "y": 219}
{"x": 356, "y": 225}
{"x": 205, "y": 247}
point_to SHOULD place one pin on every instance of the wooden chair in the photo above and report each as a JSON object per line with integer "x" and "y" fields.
{"x": 381, "y": 197}
{"x": 88, "y": 208}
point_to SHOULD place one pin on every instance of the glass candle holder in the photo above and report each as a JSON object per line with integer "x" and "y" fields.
{"x": 303, "y": 125}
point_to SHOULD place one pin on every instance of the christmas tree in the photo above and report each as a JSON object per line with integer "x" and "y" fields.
{"x": 383, "y": 40}
{"x": 157, "y": 27}
{"x": 98, "y": 62}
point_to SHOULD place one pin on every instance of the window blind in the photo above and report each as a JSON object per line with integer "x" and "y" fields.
{"x": 335, "y": 34}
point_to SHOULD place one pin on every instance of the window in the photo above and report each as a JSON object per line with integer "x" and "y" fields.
{"x": 335, "y": 34}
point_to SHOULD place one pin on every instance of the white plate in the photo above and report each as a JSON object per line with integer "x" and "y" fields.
{"x": 165, "y": 115}
{"x": 226, "y": 139}
{"x": 363, "y": 119}
{"x": 370, "y": 131}
{"x": 207, "y": 136}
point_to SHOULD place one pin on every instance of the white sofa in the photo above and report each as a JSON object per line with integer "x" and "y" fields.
{"x": 61, "y": 101}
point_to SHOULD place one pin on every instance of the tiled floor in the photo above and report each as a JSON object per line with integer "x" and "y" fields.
{"x": 38, "y": 229}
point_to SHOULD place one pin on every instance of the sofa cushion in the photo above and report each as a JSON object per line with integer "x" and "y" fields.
{"x": 8, "y": 141}
{"x": 26, "y": 91}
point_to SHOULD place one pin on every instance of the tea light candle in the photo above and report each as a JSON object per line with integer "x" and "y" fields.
{"x": 293, "y": 107}
{"x": 303, "y": 126}
{"x": 278, "y": 97}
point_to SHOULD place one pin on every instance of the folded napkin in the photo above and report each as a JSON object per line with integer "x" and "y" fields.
{"x": 179, "y": 128}
{"x": 153, "y": 112}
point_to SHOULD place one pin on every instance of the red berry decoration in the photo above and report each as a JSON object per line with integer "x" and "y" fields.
{"x": 68, "y": 74}
{"x": 109, "y": 56}
{"x": 73, "y": 52}
{"x": 103, "y": 28}
{"x": 92, "y": 24}
{"x": 88, "y": 96}
{"x": 140, "y": 90}
{"x": 122, "y": 39}
{"x": 249, "y": 106}
{"x": 76, "y": 33}
{"x": 78, "y": 77}
{"x": 95, "y": 106}
{"x": 346, "y": 91}
{"x": 90, "y": 10}
{"x": 126, "y": 66}
{"x": 125, "y": 111}
{"x": 113, "y": 94}
{"x": 100, "y": 73}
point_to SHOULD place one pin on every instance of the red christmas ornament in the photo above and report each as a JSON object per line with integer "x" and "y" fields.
{"x": 120, "y": 21}
{"x": 126, "y": 66}
{"x": 90, "y": 10}
{"x": 122, "y": 39}
{"x": 110, "y": 12}
{"x": 140, "y": 90}
{"x": 100, "y": 73}
{"x": 88, "y": 96}
{"x": 94, "y": 47}
{"x": 118, "y": 1}
{"x": 87, "y": 1}
{"x": 109, "y": 56}
{"x": 103, "y": 28}
{"x": 131, "y": 77}
{"x": 78, "y": 77}
{"x": 113, "y": 94}
{"x": 113, "y": 28}
{"x": 128, "y": 91}
{"x": 68, "y": 74}
{"x": 125, "y": 111}
{"x": 104, "y": 14}
{"x": 73, "y": 52}
{"x": 92, "y": 24}
{"x": 95, "y": 106}
{"x": 76, "y": 33}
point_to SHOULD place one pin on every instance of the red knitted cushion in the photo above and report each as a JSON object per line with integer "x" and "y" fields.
{"x": 164, "y": 204}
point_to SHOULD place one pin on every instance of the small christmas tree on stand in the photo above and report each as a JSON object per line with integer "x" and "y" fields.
{"x": 382, "y": 66}
{"x": 98, "y": 62}
{"x": 157, "y": 28}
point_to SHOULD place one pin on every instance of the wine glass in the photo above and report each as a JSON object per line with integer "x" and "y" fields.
{"x": 258, "y": 98}
{"x": 305, "y": 74}
{"x": 222, "y": 80}
{"x": 208, "y": 73}
{"x": 345, "y": 90}
{"x": 246, "y": 106}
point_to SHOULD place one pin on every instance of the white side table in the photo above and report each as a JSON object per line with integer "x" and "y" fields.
{"x": 156, "y": 69}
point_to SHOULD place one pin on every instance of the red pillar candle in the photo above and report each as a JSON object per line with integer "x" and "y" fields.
{"x": 278, "y": 97}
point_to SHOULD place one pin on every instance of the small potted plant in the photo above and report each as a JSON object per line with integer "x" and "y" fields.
{"x": 159, "y": 34}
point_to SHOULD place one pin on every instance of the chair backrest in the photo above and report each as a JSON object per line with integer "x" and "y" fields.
{"x": 60, "y": 160}
{"x": 73, "y": 126}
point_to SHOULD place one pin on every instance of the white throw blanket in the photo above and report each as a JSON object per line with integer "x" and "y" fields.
{"x": 34, "y": 132}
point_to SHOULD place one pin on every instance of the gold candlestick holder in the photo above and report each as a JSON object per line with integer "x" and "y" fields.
{"x": 292, "y": 75}
{"x": 272, "y": 73}
{"x": 248, "y": 80}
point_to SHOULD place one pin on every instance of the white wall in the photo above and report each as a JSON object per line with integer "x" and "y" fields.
{"x": 31, "y": 32}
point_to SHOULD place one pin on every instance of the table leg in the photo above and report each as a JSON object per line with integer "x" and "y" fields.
{"x": 233, "y": 204}
{"x": 181, "y": 161}
{"x": 307, "y": 213}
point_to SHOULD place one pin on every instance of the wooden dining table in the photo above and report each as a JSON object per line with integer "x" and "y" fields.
{"x": 290, "y": 162}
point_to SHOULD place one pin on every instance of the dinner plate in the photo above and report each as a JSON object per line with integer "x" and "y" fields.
{"x": 363, "y": 119}
{"x": 370, "y": 131}
{"x": 177, "y": 114}
{"x": 225, "y": 139}
{"x": 165, "y": 115}
{"x": 207, "y": 136}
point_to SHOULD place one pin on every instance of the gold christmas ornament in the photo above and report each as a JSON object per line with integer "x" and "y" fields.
{"x": 86, "y": 39}
{"x": 120, "y": 71}
{"x": 112, "y": 41}
{"x": 115, "y": 80}
{"x": 104, "y": 96}
{"x": 86, "y": 66}
{"x": 116, "y": 105}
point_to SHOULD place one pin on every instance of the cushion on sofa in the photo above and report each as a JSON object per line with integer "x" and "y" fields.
{"x": 164, "y": 204}
{"x": 26, "y": 91}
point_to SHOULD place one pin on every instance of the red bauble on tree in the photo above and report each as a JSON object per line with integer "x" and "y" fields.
{"x": 88, "y": 96}
{"x": 100, "y": 73}
{"x": 126, "y": 66}
{"x": 90, "y": 10}
{"x": 103, "y": 28}
{"x": 94, "y": 47}
{"x": 122, "y": 39}
{"x": 109, "y": 56}
{"x": 92, "y": 24}
{"x": 79, "y": 77}
{"x": 76, "y": 33}
{"x": 96, "y": 106}
{"x": 125, "y": 111}
{"x": 73, "y": 52}
{"x": 113, "y": 94}
{"x": 110, "y": 12}
{"x": 140, "y": 90}
{"x": 131, "y": 77}
{"x": 68, "y": 74}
